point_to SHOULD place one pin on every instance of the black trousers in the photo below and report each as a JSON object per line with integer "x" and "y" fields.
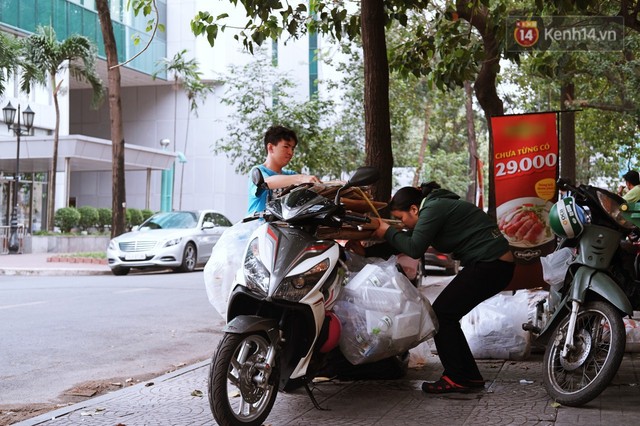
{"x": 473, "y": 284}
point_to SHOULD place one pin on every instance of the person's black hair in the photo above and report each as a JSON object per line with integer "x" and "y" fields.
{"x": 276, "y": 134}
{"x": 632, "y": 177}
{"x": 409, "y": 196}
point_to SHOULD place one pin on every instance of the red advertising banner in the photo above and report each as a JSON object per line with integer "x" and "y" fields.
{"x": 525, "y": 155}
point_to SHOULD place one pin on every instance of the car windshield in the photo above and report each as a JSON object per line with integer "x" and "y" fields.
{"x": 171, "y": 220}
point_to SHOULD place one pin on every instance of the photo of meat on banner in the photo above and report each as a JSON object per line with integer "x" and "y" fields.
{"x": 525, "y": 223}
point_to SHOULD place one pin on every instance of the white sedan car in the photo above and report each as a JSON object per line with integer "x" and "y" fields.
{"x": 180, "y": 240}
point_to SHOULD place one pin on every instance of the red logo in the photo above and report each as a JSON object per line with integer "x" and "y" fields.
{"x": 526, "y": 33}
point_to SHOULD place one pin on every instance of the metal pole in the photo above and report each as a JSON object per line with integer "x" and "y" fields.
{"x": 14, "y": 244}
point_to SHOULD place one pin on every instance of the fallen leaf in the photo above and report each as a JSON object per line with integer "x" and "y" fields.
{"x": 556, "y": 405}
{"x": 197, "y": 393}
{"x": 234, "y": 394}
{"x": 149, "y": 384}
{"x": 91, "y": 413}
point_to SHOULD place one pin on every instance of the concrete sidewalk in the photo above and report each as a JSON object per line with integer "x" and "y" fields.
{"x": 37, "y": 264}
{"x": 514, "y": 394}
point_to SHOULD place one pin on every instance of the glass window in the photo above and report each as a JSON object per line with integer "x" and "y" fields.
{"x": 9, "y": 12}
{"x": 220, "y": 220}
{"x": 75, "y": 20}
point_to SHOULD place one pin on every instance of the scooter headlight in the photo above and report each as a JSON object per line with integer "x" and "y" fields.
{"x": 255, "y": 273}
{"x": 296, "y": 287}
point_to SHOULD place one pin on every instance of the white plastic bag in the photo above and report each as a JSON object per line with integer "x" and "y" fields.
{"x": 555, "y": 265}
{"x": 382, "y": 314}
{"x": 224, "y": 263}
{"x": 494, "y": 328}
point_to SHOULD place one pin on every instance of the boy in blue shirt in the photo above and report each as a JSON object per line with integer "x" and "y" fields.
{"x": 280, "y": 143}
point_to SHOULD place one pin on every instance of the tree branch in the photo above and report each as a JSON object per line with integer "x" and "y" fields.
{"x": 153, "y": 33}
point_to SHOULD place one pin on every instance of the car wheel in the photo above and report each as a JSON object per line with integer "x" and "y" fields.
{"x": 188, "y": 258}
{"x": 119, "y": 271}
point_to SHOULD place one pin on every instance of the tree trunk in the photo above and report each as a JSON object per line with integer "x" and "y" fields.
{"x": 54, "y": 160}
{"x": 473, "y": 145}
{"x": 376, "y": 96}
{"x": 184, "y": 151}
{"x": 485, "y": 84}
{"x": 118, "y": 201}
{"x": 567, "y": 134}
{"x": 423, "y": 145}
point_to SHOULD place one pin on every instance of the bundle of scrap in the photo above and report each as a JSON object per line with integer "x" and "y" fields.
{"x": 357, "y": 200}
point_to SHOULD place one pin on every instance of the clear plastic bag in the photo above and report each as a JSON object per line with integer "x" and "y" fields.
{"x": 555, "y": 265}
{"x": 224, "y": 263}
{"x": 494, "y": 328}
{"x": 382, "y": 314}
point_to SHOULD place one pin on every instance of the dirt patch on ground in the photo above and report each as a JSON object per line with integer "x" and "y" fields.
{"x": 14, "y": 413}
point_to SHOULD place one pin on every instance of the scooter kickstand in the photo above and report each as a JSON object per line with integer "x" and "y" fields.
{"x": 313, "y": 399}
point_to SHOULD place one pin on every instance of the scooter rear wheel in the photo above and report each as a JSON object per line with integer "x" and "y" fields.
{"x": 238, "y": 395}
{"x": 599, "y": 342}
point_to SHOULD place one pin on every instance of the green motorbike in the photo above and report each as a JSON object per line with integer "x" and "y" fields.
{"x": 598, "y": 285}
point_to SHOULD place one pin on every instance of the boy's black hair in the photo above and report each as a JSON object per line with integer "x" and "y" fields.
{"x": 632, "y": 177}
{"x": 275, "y": 134}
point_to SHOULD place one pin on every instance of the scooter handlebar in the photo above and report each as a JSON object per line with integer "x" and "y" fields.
{"x": 356, "y": 219}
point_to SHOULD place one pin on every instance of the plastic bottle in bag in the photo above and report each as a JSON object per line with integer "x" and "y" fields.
{"x": 383, "y": 326}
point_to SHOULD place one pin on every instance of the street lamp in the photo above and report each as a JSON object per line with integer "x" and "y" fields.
{"x": 9, "y": 114}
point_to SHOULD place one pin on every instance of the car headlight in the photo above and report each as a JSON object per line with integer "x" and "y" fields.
{"x": 172, "y": 242}
{"x": 255, "y": 273}
{"x": 296, "y": 287}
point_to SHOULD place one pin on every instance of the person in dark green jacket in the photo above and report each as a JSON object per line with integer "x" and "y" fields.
{"x": 437, "y": 217}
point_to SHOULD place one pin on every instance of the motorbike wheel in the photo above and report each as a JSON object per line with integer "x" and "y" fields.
{"x": 239, "y": 394}
{"x": 599, "y": 342}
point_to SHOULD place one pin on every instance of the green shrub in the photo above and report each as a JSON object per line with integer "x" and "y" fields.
{"x": 146, "y": 214}
{"x": 88, "y": 217}
{"x": 134, "y": 217}
{"x": 104, "y": 218}
{"x": 66, "y": 218}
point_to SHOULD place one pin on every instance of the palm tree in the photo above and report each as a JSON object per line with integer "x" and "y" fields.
{"x": 9, "y": 54}
{"x": 186, "y": 75}
{"x": 77, "y": 54}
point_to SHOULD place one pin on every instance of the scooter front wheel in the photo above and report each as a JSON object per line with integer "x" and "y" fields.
{"x": 594, "y": 359}
{"x": 242, "y": 388}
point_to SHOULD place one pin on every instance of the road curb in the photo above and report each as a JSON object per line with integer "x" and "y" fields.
{"x": 51, "y": 272}
{"x": 51, "y": 415}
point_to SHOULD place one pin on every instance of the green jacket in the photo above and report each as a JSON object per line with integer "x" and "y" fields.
{"x": 454, "y": 226}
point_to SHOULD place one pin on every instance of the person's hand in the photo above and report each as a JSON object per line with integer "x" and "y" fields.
{"x": 381, "y": 229}
{"x": 355, "y": 246}
{"x": 621, "y": 189}
{"x": 308, "y": 179}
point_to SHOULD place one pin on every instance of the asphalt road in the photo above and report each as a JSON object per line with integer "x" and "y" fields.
{"x": 57, "y": 332}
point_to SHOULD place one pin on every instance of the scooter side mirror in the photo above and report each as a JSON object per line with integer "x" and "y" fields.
{"x": 258, "y": 179}
{"x": 365, "y": 175}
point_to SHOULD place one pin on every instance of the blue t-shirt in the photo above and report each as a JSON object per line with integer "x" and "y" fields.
{"x": 257, "y": 196}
